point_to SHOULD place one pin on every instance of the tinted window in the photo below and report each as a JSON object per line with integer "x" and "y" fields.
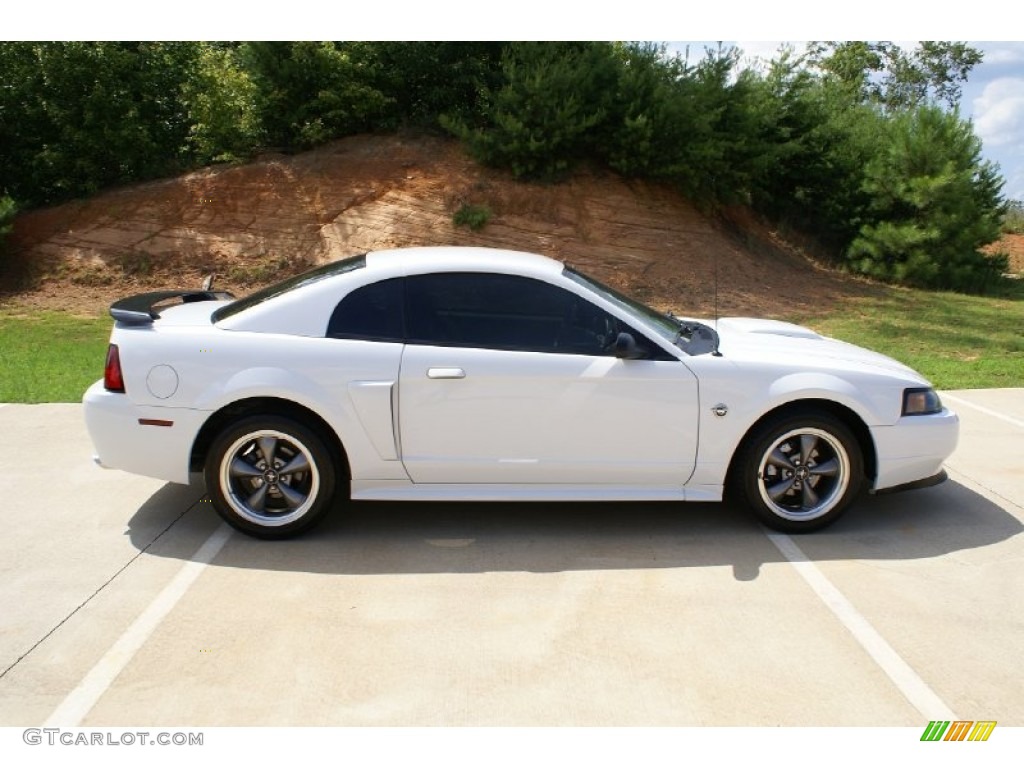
{"x": 371, "y": 312}
{"x": 507, "y": 312}
{"x": 666, "y": 326}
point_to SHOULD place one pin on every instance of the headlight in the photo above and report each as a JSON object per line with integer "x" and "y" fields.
{"x": 922, "y": 401}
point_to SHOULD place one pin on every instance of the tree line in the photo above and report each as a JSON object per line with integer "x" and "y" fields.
{"x": 859, "y": 144}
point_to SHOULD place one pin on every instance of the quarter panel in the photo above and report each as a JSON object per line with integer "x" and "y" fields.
{"x": 318, "y": 374}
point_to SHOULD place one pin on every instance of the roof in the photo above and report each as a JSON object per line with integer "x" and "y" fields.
{"x": 452, "y": 258}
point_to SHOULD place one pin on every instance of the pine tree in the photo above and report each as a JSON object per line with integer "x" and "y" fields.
{"x": 934, "y": 204}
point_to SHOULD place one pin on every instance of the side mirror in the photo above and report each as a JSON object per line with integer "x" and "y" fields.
{"x": 626, "y": 348}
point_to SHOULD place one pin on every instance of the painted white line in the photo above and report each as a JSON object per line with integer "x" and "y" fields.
{"x": 77, "y": 704}
{"x": 916, "y": 690}
{"x": 983, "y": 409}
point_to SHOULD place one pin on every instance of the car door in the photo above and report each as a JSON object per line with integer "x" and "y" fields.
{"x": 508, "y": 379}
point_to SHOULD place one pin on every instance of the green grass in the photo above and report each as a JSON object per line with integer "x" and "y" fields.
{"x": 50, "y": 357}
{"x": 956, "y": 341}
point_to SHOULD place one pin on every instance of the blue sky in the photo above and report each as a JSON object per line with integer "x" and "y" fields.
{"x": 993, "y": 99}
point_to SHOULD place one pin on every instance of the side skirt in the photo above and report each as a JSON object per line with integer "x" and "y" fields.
{"x": 385, "y": 490}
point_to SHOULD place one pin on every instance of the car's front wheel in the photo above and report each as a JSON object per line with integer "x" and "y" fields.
{"x": 270, "y": 476}
{"x": 800, "y": 472}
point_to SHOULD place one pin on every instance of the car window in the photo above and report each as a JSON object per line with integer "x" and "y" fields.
{"x": 667, "y": 327}
{"x": 373, "y": 312}
{"x": 495, "y": 311}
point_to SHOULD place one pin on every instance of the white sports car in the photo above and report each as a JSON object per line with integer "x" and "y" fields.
{"x": 478, "y": 374}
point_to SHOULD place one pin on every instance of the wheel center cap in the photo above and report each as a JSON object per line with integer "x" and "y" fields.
{"x": 802, "y": 473}
{"x": 270, "y": 476}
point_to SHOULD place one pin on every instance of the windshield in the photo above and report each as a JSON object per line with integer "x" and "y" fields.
{"x": 666, "y": 327}
{"x": 692, "y": 337}
{"x": 312, "y": 276}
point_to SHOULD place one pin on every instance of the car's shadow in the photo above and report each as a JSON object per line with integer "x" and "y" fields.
{"x": 410, "y": 538}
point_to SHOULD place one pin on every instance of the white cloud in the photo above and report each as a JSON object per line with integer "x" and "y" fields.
{"x": 999, "y": 112}
{"x": 1000, "y": 54}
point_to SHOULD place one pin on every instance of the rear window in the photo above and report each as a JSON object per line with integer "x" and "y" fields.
{"x": 299, "y": 281}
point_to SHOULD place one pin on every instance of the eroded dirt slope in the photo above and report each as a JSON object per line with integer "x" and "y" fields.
{"x": 1012, "y": 246}
{"x": 256, "y": 223}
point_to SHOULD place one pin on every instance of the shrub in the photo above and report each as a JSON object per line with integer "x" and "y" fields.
{"x": 473, "y": 216}
{"x": 7, "y": 211}
{"x": 221, "y": 103}
{"x": 1013, "y": 221}
{"x": 545, "y": 116}
{"x": 77, "y": 116}
{"x": 309, "y": 92}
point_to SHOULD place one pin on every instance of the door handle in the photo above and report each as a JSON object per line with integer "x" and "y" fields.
{"x": 445, "y": 373}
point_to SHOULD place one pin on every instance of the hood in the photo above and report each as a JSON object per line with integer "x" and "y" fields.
{"x": 753, "y": 339}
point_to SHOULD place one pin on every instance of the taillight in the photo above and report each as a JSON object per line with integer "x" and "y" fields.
{"x": 112, "y": 378}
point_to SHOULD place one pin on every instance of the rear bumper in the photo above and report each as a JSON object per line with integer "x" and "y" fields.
{"x": 144, "y": 440}
{"x": 913, "y": 450}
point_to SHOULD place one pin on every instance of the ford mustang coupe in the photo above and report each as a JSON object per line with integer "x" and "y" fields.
{"x": 478, "y": 374}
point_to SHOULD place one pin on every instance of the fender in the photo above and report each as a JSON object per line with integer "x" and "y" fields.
{"x": 720, "y": 437}
{"x": 828, "y": 386}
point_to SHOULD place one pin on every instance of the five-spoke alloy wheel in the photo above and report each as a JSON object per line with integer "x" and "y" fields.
{"x": 270, "y": 476}
{"x": 799, "y": 472}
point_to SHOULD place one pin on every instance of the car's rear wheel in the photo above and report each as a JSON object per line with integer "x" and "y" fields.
{"x": 270, "y": 476}
{"x": 800, "y": 472}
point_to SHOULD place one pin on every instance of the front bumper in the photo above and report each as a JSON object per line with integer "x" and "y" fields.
{"x": 144, "y": 440}
{"x": 914, "y": 448}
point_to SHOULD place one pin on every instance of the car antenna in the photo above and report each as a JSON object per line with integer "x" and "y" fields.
{"x": 715, "y": 352}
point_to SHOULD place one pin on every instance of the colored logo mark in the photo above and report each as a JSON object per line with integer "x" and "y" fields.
{"x": 958, "y": 730}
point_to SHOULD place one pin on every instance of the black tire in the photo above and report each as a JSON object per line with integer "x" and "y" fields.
{"x": 270, "y": 476}
{"x": 799, "y": 472}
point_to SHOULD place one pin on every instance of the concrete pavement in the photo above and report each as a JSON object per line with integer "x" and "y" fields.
{"x": 476, "y": 614}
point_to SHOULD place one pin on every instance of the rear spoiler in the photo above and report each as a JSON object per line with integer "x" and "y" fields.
{"x": 141, "y": 309}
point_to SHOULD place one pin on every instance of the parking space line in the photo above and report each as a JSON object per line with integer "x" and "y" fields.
{"x": 913, "y": 688}
{"x": 77, "y": 704}
{"x": 983, "y": 409}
